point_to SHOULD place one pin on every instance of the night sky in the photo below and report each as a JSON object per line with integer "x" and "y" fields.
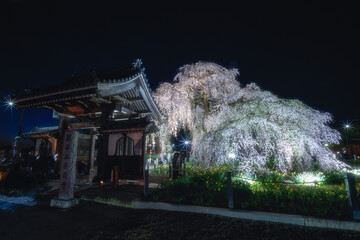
{"x": 304, "y": 51}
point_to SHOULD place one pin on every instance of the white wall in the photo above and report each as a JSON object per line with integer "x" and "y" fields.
{"x": 113, "y": 138}
{"x": 137, "y": 137}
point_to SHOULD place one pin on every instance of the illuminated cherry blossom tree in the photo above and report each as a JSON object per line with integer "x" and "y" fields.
{"x": 249, "y": 128}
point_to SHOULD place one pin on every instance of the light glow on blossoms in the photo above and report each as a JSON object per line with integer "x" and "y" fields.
{"x": 259, "y": 128}
{"x": 310, "y": 178}
{"x": 354, "y": 171}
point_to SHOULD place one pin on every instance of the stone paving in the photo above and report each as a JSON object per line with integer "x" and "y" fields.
{"x": 92, "y": 220}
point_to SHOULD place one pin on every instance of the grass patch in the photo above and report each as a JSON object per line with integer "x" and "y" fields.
{"x": 109, "y": 201}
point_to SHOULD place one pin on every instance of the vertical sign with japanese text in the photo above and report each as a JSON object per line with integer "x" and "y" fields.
{"x": 68, "y": 165}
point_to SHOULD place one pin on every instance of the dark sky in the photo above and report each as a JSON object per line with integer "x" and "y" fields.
{"x": 304, "y": 51}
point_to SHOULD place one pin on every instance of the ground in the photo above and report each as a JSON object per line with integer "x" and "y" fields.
{"x": 92, "y": 220}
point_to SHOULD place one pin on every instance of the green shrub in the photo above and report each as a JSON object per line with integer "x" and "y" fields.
{"x": 270, "y": 177}
{"x": 334, "y": 178}
{"x": 161, "y": 169}
{"x": 319, "y": 201}
{"x": 208, "y": 187}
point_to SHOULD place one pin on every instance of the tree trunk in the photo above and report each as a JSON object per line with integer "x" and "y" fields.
{"x": 206, "y": 103}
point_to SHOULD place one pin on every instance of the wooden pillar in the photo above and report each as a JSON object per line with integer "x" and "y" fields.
{"x": 17, "y": 149}
{"x": 146, "y": 184}
{"x": 143, "y": 139}
{"x": 124, "y": 143}
{"x": 53, "y": 145}
{"x": 100, "y": 172}
{"x": 103, "y": 169}
{"x": 37, "y": 147}
{"x": 92, "y": 154}
{"x": 47, "y": 142}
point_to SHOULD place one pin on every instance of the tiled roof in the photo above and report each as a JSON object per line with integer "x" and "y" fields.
{"x": 124, "y": 72}
{"x": 92, "y": 78}
{"x": 84, "y": 94}
{"x": 42, "y": 130}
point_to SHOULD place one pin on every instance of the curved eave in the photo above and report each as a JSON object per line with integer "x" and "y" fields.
{"x": 148, "y": 98}
{"x": 114, "y": 87}
{"x": 53, "y": 97}
{"x": 40, "y": 134}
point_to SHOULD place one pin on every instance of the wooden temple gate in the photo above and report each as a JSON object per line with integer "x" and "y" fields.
{"x": 118, "y": 108}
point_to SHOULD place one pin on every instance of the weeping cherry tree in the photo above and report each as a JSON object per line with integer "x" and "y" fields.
{"x": 251, "y": 129}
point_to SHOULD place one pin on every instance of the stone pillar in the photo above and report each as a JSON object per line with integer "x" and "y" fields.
{"x": 67, "y": 173}
{"x": 92, "y": 154}
{"x": 63, "y": 126}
